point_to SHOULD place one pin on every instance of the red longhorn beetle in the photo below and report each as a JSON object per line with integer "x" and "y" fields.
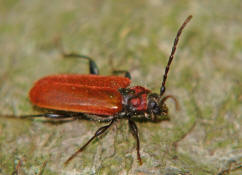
{"x": 108, "y": 98}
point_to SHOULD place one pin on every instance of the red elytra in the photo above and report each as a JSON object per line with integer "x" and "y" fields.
{"x": 93, "y": 94}
{"x": 109, "y": 97}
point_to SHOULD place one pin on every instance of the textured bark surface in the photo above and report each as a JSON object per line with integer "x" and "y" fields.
{"x": 203, "y": 137}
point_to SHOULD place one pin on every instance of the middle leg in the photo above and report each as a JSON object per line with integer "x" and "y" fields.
{"x": 126, "y": 73}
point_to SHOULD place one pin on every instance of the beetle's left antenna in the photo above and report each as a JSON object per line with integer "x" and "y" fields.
{"x": 163, "y": 88}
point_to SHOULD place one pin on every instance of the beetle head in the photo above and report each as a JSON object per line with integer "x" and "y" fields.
{"x": 156, "y": 108}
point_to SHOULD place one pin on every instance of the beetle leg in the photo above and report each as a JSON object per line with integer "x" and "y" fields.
{"x": 53, "y": 118}
{"x": 117, "y": 72}
{"x": 134, "y": 131}
{"x": 126, "y": 73}
{"x": 93, "y": 69}
{"x": 48, "y": 115}
{"x": 98, "y": 133}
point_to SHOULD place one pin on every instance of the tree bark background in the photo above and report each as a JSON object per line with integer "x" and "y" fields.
{"x": 203, "y": 137}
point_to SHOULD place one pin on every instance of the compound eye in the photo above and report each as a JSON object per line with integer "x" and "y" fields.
{"x": 152, "y": 105}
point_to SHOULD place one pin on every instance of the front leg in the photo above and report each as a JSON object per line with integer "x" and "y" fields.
{"x": 134, "y": 131}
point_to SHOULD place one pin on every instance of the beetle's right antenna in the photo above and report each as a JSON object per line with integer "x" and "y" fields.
{"x": 163, "y": 88}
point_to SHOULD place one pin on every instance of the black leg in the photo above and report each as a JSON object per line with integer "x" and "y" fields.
{"x": 53, "y": 118}
{"x": 93, "y": 69}
{"x": 49, "y": 115}
{"x": 126, "y": 73}
{"x": 98, "y": 133}
{"x": 118, "y": 72}
{"x": 134, "y": 131}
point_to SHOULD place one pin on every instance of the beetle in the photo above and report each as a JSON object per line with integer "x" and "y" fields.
{"x": 103, "y": 98}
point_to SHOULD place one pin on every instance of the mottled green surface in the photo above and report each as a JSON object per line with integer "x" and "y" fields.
{"x": 136, "y": 35}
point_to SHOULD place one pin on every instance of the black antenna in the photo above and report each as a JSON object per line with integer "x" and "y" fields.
{"x": 163, "y": 88}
